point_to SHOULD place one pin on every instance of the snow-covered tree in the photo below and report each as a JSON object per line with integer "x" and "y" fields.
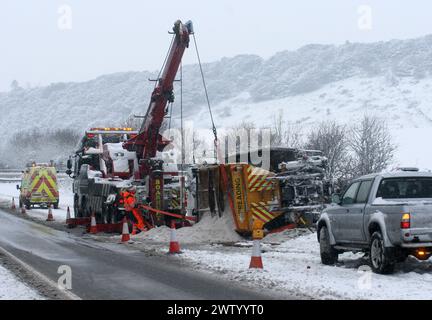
{"x": 371, "y": 145}
{"x": 285, "y": 134}
{"x": 331, "y": 138}
{"x": 14, "y": 85}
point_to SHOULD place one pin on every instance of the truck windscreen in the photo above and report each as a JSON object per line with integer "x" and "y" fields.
{"x": 405, "y": 188}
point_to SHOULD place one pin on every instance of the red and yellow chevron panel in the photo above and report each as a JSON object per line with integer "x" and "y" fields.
{"x": 261, "y": 212}
{"x": 258, "y": 179}
{"x": 44, "y": 185}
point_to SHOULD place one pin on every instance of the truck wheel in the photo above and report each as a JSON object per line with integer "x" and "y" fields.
{"x": 381, "y": 258}
{"x": 329, "y": 255}
{"x": 56, "y": 205}
{"x": 27, "y": 205}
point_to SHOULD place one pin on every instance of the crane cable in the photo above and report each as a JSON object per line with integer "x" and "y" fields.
{"x": 156, "y": 81}
{"x": 217, "y": 151}
{"x": 182, "y": 178}
{"x": 165, "y": 60}
{"x": 170, "y": 107}
{"x": 206, "y": 94}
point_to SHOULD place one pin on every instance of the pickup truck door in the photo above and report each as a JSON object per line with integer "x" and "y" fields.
{"x": 351, "y": 221}
{"x": 338, "y": 214}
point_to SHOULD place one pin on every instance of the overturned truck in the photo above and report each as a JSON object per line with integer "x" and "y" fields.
{"x": 292, "y": 191}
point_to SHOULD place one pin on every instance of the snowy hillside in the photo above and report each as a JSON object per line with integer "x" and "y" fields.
{"x": 391, "y": 79}
{"x": 407, "y": 108}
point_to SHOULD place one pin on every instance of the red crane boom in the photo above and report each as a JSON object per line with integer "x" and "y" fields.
{"x": 149, "y": 141}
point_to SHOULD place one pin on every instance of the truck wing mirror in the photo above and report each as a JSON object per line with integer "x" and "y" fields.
{"x": 69, "y": 164}
{"x": 335, "y": 198}
{"x": 18, "y": 187}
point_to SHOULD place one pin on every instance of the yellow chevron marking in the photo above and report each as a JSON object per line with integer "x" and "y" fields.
{"x": 259, "y": 216}
{"x": 44, "y": 187}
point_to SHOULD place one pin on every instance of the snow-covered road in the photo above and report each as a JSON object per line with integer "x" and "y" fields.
{"x": 101, "y": 270}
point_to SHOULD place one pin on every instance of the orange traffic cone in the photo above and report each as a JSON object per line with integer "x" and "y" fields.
{"x": 256, "y": 260}
{"x": 125, "y": 232}
{"x": 93, "y": 226}
{"x": 174, "y": 244}
{"x": 50, "y": 215}
{"x": 13, "y": 206}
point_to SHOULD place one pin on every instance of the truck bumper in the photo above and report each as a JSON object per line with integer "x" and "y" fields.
{"x": 416, "y": 237}
{"x": 416, "y": 245}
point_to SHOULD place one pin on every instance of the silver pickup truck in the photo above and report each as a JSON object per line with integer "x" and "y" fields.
{"x": 388, "y": 216}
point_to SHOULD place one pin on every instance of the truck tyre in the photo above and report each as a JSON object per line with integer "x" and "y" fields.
{"x": 329, "y": 255}
{"x": 27, "y": 205}
{"x": 381, "y": 258}
{"x": 56, "y": 205}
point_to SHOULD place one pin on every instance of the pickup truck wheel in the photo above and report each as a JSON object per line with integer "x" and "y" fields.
{"x": 329, "y": 255}
{"x": 381, "y": 259}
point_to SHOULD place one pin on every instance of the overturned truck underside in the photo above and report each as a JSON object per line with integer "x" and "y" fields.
{"x": 292, "y": 195}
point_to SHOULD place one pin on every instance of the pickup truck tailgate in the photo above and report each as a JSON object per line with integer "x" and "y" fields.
{"x": 420, "y": 223}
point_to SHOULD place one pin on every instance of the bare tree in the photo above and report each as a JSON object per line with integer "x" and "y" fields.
{"x": 277, "y": 130}
{"x": 285, "y": 133}
{"x": 14, "y": 85}
{"x": 371, "y": 145}
{"x": 132, "y": 122}
{"x": 331, "y": 138}
{"x": 235, "y": 133}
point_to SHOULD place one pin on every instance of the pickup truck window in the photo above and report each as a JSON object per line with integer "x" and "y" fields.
{"x": 363, "y": 193}
{"x": 405, "y": 188}
{"x": 350, "y": 194}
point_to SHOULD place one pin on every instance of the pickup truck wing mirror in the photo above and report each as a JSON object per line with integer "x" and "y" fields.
{"x": 335, "y": 198}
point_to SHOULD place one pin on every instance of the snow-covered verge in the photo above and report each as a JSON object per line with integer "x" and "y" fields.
{"x": 294, "y": 267}
{"x": 292, "y": 264}
{"x": 208, "y": 230}
{"x": 13, "y": 289}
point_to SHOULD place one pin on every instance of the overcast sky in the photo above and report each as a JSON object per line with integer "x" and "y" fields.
{"x": 48, "y": 41}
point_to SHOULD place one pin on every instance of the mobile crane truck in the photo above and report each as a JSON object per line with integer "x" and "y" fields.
{"x": 117, "y": 169}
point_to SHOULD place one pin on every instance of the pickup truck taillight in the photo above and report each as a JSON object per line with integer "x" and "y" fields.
{"x": 405, "y": 222}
